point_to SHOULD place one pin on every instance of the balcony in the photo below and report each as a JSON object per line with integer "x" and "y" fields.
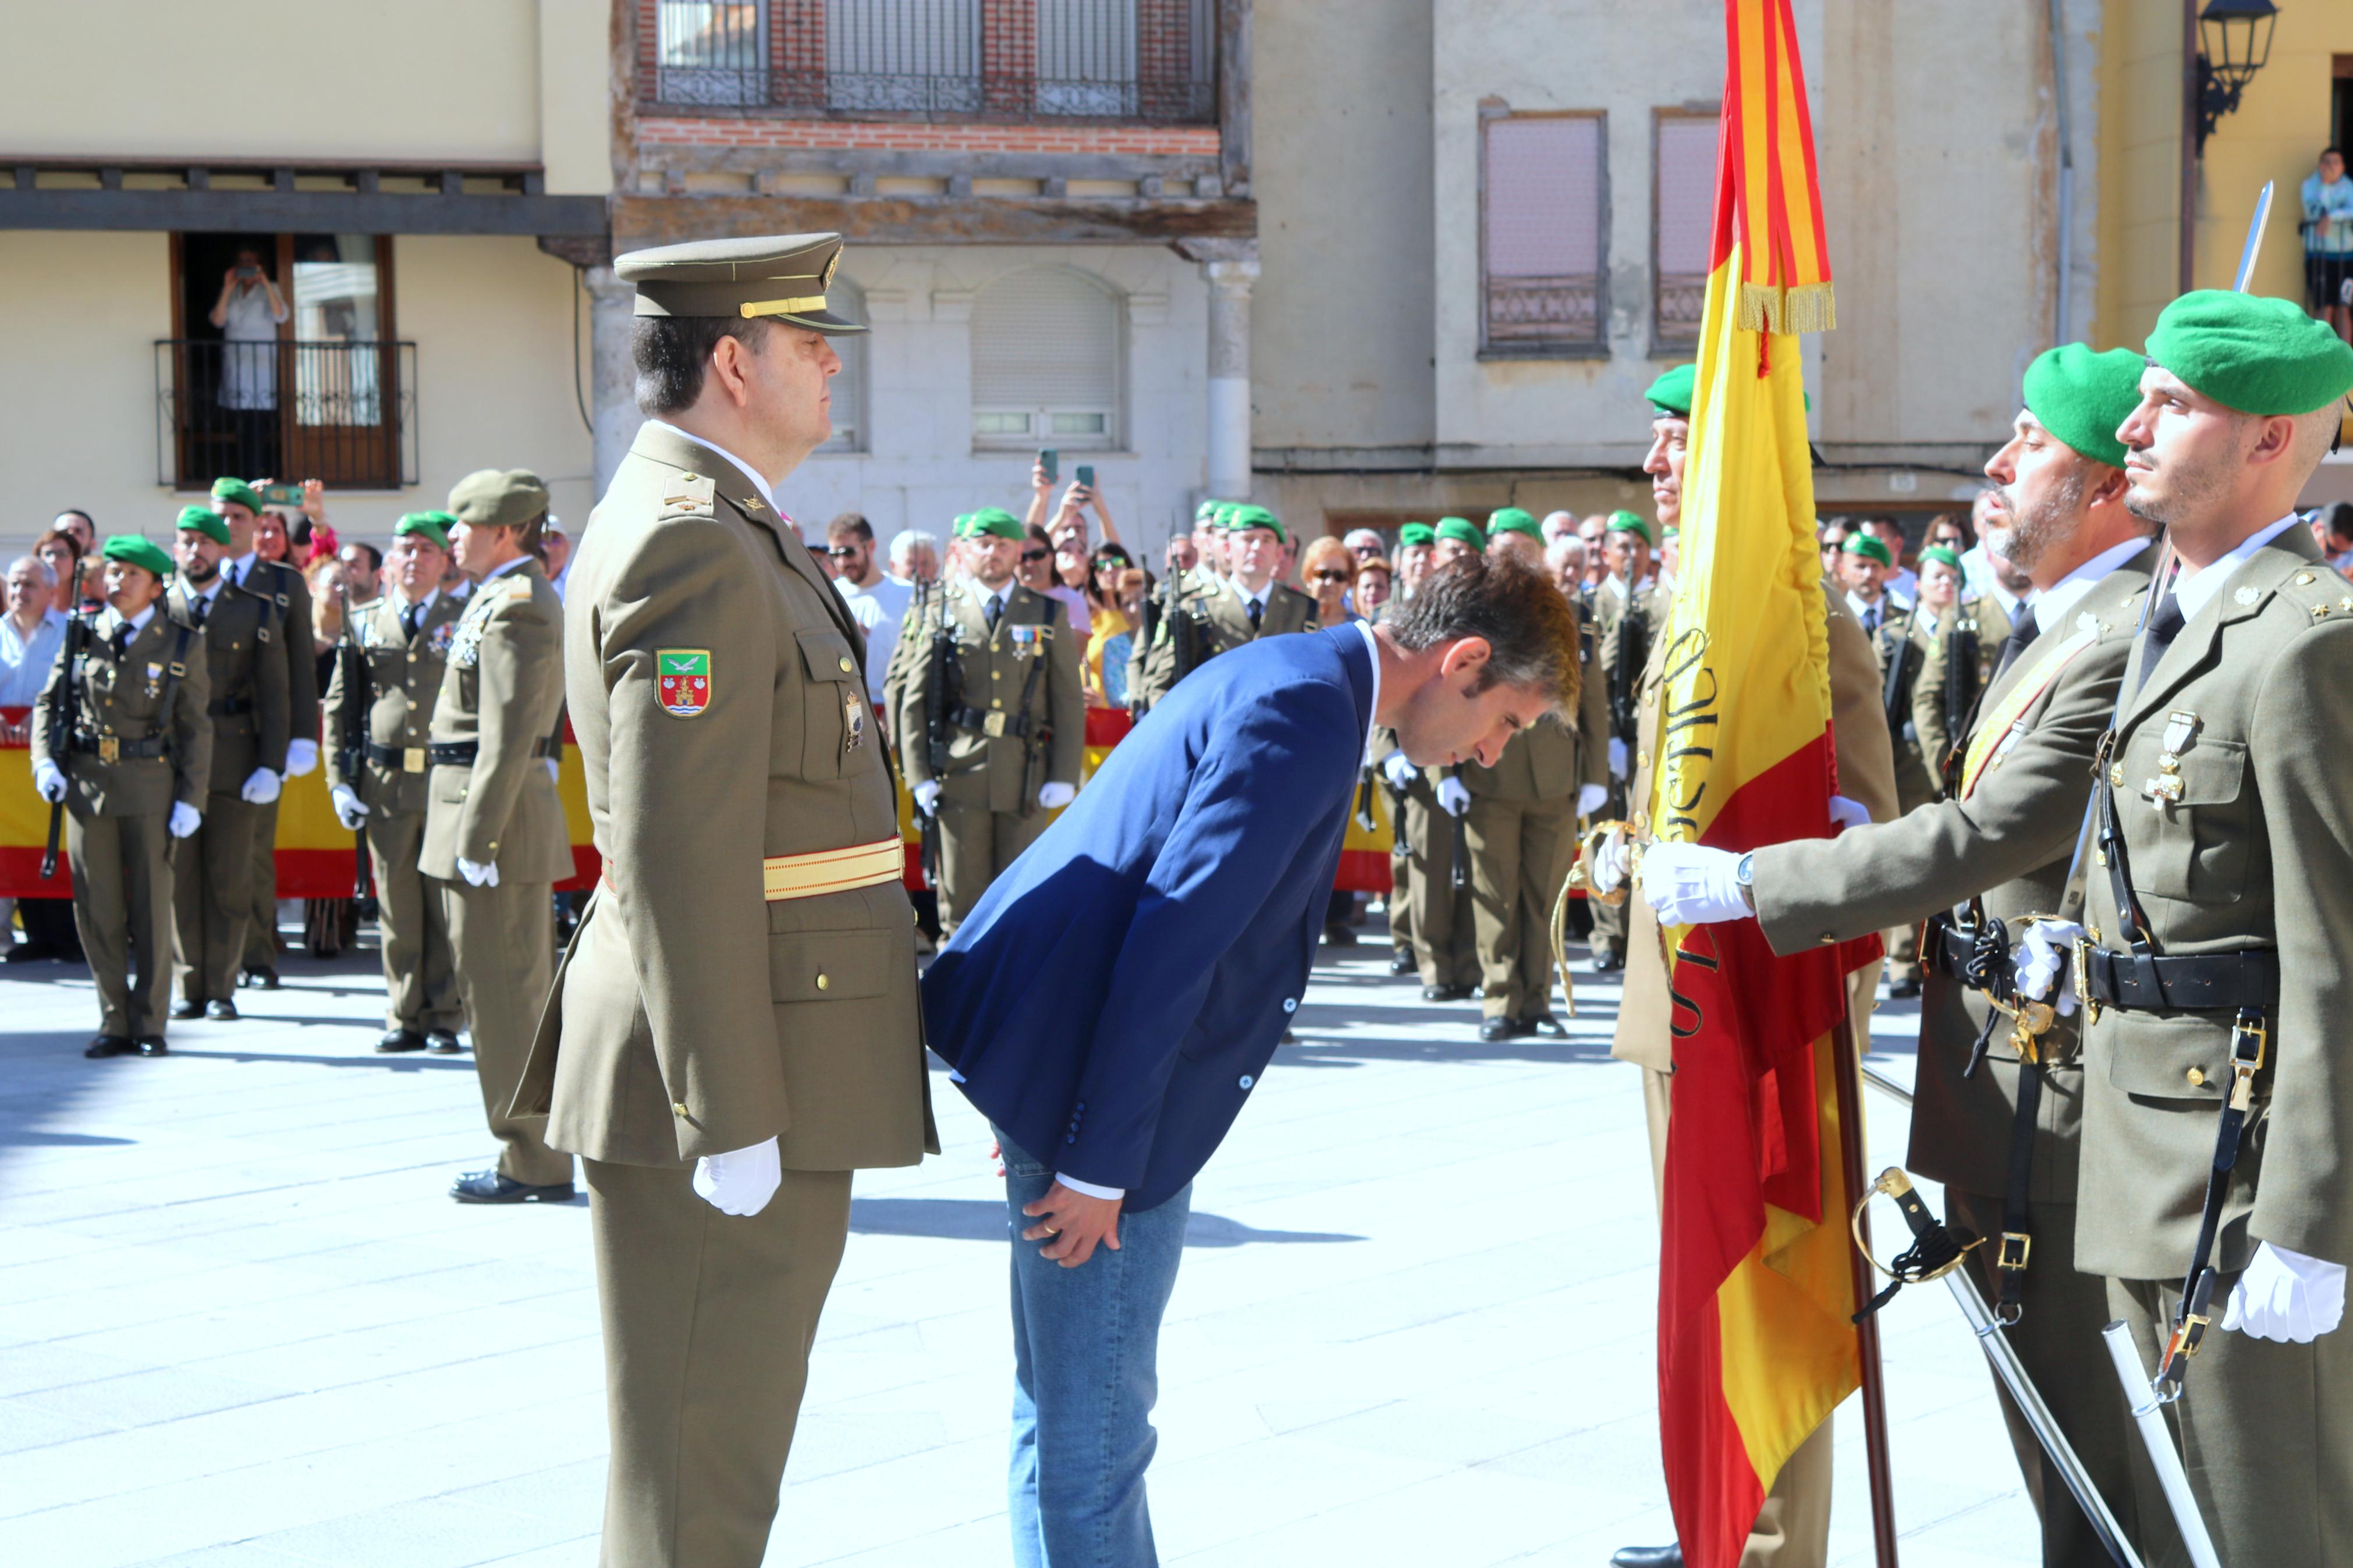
{"x": 1002, "y": 61}
{"x": 342, "y": 412}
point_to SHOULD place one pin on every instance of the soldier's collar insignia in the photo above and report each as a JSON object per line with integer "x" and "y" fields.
{"x": 2248, "y": 595}
{"x": 682, "y": 680}
{"x": 2087, "y": 622}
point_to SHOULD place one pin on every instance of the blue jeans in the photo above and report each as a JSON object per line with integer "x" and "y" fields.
{"x": 1086, "y": 1346}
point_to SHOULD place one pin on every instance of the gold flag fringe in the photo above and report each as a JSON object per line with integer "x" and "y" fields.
{"x": 1765, "y": 308}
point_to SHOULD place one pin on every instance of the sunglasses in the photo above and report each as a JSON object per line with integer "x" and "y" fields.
{"x": 1035, "y": 554}
{"x": 1332, "y": 576}
{"x": 1108, "y": 562}
{"x": 842, "y": 551}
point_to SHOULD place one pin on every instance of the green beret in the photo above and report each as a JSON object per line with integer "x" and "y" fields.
{"x": 990, "y": 522}
{"x": 1671, "y": 533}
{"x": 204, "y": 519}
{"x": 1869, "y": 549}
{"x": 1944, "y": 555}
{"x": 2256, "y": 355}
{"x": 498, "y": 497}
{"x": 1671, "y": 393}
{"x": 433, "y": 527}
{"x": 1462, "y": 531}
{"x": 1513, "y": 520}
{"x": 1207, "y": 511}
{"x": 1223, "y": 518}
{"x": 1414, "y": 533}
{"x": 131, "y": 550}
{"x": 1627, "y": 522}
{"x": 1246, "y": 517}
{"x": 2081, "y": 397}
{"x": 237, "y": 490}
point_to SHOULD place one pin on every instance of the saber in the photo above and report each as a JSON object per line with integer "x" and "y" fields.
{"x": 2148, "y": 1415}
{"x": 2254, "y": 246}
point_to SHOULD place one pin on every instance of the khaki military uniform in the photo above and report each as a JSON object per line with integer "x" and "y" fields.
{"x": 2008, "y": 843}
{"x": 1017, "y": 720}
{"x": 405, "y": 676}
{"x": 1608, "y": 607}
{"x": 711, "y": 1001}
{"x": 1901, "y": 646}
{"x": 284, "y": 585}
{"x": 142, "y": 742}
{"x": 1981, "y": 623}
{"x": 1792, "y": 1529}
{"x": 489, "y": 800}
{"x": 1223, "y": 616}
{"x": 212, "y": 870}
{"x": 2236, "y": 808}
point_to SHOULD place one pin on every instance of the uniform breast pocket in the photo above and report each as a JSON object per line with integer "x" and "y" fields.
{"x": 837, "y": 725}
{"x": 2195, "y": 846}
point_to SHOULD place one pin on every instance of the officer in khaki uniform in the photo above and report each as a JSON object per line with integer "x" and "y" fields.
{"x": 736, "y": 1025}
{"x": 1792, "y": 1529}
{"x": 2001, "y": 850}
{"x": 132, "y": 774}
{"x": 495, "y": 842}
{"x": 1445, "y": 939}
{"x": 1966, "y": 639}
{"x": 212, "y": 869}
{"x": 239, "y": 505}
{"x": 1246, "y": 604}
{"x": 2220, "y": 914}
{"x": 405, "y": 638}
{"x": 1400, "y": 895}
{"x": 1016, "y": 718}
{"x": 1627, "y": 540}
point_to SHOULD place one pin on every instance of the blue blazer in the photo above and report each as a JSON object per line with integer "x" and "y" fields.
{"x": 1118, "y": 991}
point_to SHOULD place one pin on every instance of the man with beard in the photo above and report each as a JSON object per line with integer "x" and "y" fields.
{"x": 1963, "y": 641}
{"x": 2001, "y": 1134}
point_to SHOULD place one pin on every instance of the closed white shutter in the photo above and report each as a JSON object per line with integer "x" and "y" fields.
{"x": 1682, "y": 227}
{"x": 1541, "y": 229}
{"x": 848, "y": 389}
{"x": 1045, "y": 362}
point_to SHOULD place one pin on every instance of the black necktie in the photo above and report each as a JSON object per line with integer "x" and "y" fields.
{"x": 995, "y": 607}
{"x": 1871, "y": 619}
{"x": 2163, "y": 627}
{"x": 410, "y": 618}
{"x": 121, "y": 641}
{"x": 201, "y": 605}
{"x": 1257, "y": 614}
{"x": 2022, "y": 633}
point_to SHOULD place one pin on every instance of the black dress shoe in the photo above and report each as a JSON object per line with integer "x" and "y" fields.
{"x": 1550, "y": 1027}
{"x": 497, "y": 1187}
{"x": 1649, "y": 1557}
{"x": 1903, "y": 989}
{"x": 188, "y": 1009}
{"x": 223, "y": 1011}
{"x": 400, "y": 1041}
{"x": 1493, "y": 1030}
{"x": 1445, "y": 992}
{"x": 154, "y": 1045}
{"x": 1338, "y": 935}
{"x": 442, "y": 1043}
{"x": 262, "y": 979}
{"x": 1604, "y": 961}
{"x": 1401, "y": 961}
{"x": 110, "y": 1046}
{"x": 30, "y": 953}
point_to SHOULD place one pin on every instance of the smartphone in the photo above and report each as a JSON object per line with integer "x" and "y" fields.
{"x": 281, "y": 495}
{"x": 1087, "y": 475}
{"x": 1051, "y": 461}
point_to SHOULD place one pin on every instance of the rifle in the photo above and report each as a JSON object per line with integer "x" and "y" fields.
{"x": 944, "y": 674}
{"x": 1460, "y": 876}
{"x": 61, "y": 717}
{"x": 1183, "y": 632}
{"x": 1891, "y": 690}
{"x": 1147, "y": 629}
{"x": 1961, "y": 649}
{"x": 352, "y": 728}
{"x": 1629, "y": 649}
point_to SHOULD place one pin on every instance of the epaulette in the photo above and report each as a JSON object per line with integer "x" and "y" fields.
{"x": 689, "y": 495}
{"x": 2321, "y": 593}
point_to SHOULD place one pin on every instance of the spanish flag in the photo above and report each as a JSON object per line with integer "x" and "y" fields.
{"x": 1755, "y": 1345}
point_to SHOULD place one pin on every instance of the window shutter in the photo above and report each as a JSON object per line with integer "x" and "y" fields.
{"x": 1045, "y": 345}
{"x": 1683, "y": 227}
{"x": 849, "y": 405}
{"x": 1543, "y": 229}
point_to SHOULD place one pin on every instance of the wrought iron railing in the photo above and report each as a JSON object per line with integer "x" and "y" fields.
{"x": 342, "y": 412}
{"x": 1151, "y": 61}
{"x": 1533, "y": 312}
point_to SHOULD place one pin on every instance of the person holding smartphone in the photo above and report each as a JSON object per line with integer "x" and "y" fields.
{"x": 248, "y": 313}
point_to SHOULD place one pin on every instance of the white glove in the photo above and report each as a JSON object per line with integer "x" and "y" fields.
{"x": 1053, "y": 796}
{"x": 48, "y": 781}
{"x": 1399, "y": 769}
{"x": 927, "y": 796}
{"x": 741, "y": 1181}
{"x": 556, "y": 770}
{"x": 185, "y": 819}
{"x": 1618, "y": 758}
{"x": 1607, "y": 869}
{"x": 349, "y": 810}
{"x": 1453, "y": 796}
{"x": 260, "y": 787}
{"x": 1592, "y": 798}
{"x": 2038, "y": 960}
{"x": 479, "y": 875}
{"x": 2287, "y": 1296}
{"x": 1845, "y": 813}
{"x": 1692, "y": 885}
{"x": 301, "y": 756}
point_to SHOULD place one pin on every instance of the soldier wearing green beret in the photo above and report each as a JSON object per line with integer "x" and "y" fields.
{"x": 1515, "y": 528}
{"x": 992, "y": 715}
{"x": 1630, "y": 609}
{"x": 735, "y": 1027}
{"x": 1246, "y": 604}
{"x": 2211, "y": 960}
{"x": 1900, "y": 644}
{"x": 404, "y": 640}
{"x": 247, "y": 655}
{"x": 1965, "y": 636}
{"x": 121, "y": 737}
{"x": 239, "y": 505}
{"x": 1438, "y": 874}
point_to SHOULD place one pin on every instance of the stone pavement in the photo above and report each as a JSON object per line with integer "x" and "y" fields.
{"x": 241, "y": 1324}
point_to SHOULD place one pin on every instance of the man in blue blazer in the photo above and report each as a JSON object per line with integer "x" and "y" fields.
{"x": 1113, "y": 999}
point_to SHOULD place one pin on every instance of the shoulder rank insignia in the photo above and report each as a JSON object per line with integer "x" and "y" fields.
{"x": 682, "y": 680}
{"x": 688, "y": 492}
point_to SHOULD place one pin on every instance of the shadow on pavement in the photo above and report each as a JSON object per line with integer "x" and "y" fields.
{"x": 979, "y": 1219}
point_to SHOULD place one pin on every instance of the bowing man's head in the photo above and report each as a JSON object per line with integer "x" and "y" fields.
{"x": 1487, "y": 647}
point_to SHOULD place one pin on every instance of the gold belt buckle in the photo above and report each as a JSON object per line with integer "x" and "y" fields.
{"x": 993, "y": 726}
{"x": 412, "y": 760}
{"x": 2012, "y": 1253}
{"x": 110, "y": 749}
{"x": 2082, "y": 978}
{"x": 2243, "y": 1070}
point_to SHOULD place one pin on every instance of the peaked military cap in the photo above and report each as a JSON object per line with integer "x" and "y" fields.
{"x": 134, "y": 550}
{"x": 780, "y": 275}
{"x": 204, "y": 519}
{"x": 498, "y": 497}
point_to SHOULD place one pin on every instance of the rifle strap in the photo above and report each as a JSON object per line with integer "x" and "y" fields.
{"x": 177, "y": 667}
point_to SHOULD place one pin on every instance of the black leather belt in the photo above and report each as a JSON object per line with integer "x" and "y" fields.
{"x": 224, "y": 706}
{"x": 2219, "y": 982}
{"x": 461, "y": 753}
{"x": 113, "y": 748}
{"x": 1950, "y": 949}
{"x": 402, "y": 759}
{"x": 994, "y": 722}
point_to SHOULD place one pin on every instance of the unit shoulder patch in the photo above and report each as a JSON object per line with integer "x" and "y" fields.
{"x": 682, "y": 680}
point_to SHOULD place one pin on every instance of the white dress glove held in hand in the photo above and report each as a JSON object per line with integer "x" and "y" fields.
{"x": 185, "y": 819}
{"x": 2286, "y": 1296}
{"x": 478, "y": 876}
{"x": 1592, "y": 798}
{"x": 1054, "y": 797}
{"x": 556, "y": 770}
{"x": 1607, "y": 870}
{"x": 348, "y": 809}
{"x": 927, "y": 796}
{"x": 301, "y": 756}
{"x": 741, "y": 1182}
{"x": 2037, "y": 959}
{"x": 260, "y": 787}
{"x": 48, "y": 781}
{"x": 1689, "y": 884}
{"x": 1845, "y": 813}
{"x": 1617, "y": 758}
{"x": 1399, "y": 769}
{"x": 1453, "y": 796}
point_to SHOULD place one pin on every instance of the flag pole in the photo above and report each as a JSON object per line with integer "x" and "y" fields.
{"x": 1866, "y": 1333}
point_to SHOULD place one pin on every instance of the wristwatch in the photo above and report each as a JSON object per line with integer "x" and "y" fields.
{"x": 1742, "y": 874}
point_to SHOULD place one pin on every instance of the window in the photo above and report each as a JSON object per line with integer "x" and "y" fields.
{"x": 1540, "y": 233}
{"x": 712, "y": 51}
{"x": 1682, "y": 221}
{"x": 1046, "y": 361}
{"x": 848, "y": 401}
{"x": 903, "y": 54}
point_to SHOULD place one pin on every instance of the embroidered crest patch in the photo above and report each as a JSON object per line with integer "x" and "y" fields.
{"x": 682, "y": 680}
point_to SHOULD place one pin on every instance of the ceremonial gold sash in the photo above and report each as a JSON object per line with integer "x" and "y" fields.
{"x": 2003, "y": 727}
{"x": 824, "y": 870}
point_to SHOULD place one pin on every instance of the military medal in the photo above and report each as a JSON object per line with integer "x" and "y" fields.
{"x": 154, "y": 679}
{"x": 682, "y": 683}
{"x": 2165, "y": 788}
{"x": 853, "y": 720}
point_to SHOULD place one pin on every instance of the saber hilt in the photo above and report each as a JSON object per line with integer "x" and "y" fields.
{"x": 1936, "y": 1251}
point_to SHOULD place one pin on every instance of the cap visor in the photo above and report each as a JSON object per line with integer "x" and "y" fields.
{"x": 825, "y": 321}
